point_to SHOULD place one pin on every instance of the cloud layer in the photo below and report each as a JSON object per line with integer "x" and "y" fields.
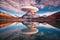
{"x": 15, "y": 5}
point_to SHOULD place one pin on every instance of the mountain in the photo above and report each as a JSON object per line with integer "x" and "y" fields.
{"x": 54, "y": 17}
{"x": 5, "y": 15}
{"x": 51, "y": 18}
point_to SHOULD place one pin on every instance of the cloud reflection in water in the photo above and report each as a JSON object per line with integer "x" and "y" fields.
{"x": 13, "y": 32}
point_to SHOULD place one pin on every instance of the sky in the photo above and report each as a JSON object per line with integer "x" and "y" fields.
{"x": 13, "y": 7}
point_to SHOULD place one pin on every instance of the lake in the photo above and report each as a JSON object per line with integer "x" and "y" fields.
{"x": 13, "y": 31}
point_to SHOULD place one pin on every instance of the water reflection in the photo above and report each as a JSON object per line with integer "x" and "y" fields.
{"x": 13, "y": 31}
{"x": 5, "y": 24}
{"x": 31, "y": 28}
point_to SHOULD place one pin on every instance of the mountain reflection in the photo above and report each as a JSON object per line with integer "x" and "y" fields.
{"x": 31, "y": 24}
{"x": 13, "y": 31}
{"x": 5, "y": 24}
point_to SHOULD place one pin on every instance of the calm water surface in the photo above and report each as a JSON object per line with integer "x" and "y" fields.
{"x": 12, "y": 31}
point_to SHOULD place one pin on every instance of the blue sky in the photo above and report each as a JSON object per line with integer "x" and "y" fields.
{"x": 14, "y": 7}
